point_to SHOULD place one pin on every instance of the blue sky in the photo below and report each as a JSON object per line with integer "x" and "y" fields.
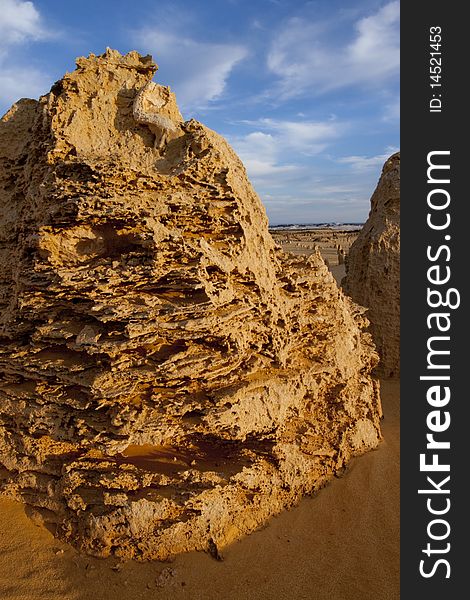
{"x": 306, "y": 92}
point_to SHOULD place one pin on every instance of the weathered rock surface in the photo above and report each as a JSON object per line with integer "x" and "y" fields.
{"x": 169, "y": 378}
{"x": 373, "y": 268}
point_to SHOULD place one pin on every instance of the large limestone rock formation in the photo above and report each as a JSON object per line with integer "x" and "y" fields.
{"x": 169, "y": 378}
{"x": 373, "y": 268}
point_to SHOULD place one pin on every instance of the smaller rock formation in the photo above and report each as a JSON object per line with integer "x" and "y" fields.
{"x": 340, "y": 252}
{"x": 373, "y": 268}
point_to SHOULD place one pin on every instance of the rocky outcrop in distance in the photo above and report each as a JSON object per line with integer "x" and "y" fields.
{"x": 373, "y": 268}
{"x": 169, "y": 378}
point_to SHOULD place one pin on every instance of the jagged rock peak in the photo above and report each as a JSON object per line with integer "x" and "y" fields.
{"x": 169, "y": 378}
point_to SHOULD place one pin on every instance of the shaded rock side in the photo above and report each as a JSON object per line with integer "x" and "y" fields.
{"x": 169, "y": 378}
{"x": 373, "y": 268}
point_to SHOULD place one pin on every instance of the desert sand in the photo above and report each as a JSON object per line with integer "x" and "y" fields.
{"x": 342, "y": 544}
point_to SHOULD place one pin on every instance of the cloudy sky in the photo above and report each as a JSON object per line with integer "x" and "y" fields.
{"x": 306, "y": 92}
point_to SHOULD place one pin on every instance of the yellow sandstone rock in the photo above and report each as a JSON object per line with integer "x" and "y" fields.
{"x": 373, "y": 268}
{"x": 169, "y": 378}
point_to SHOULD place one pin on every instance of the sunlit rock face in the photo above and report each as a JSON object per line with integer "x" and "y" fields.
{"x": 169, "y": 378}
{"x": 373, "y": 268}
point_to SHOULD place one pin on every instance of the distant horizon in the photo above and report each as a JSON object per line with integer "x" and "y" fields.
{"x": 318, "y": 224}
{"x": 306, "y": 93}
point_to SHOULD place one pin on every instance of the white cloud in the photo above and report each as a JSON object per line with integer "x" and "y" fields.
{"x": 261, "y": 155}
{"x": 376, "y": 47}
{"x": 199, "y": 70}
{"x": 307, "y": 137}
{"x": 363, "y": 163}
{"x": 305, "y": 60}
{"x": 297, "y": 180}
{"x": 265, "y": 150}
{"x": 20, "y": 22}
{"x": 21, "y": 82}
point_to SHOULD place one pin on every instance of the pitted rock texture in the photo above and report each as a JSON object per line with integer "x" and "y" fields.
{"x": 373, "y": 268}
{"x": 169, "y": 378}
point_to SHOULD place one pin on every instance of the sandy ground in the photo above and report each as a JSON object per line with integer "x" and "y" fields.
{"x": 342, "y": 544}
{"x": 330, "y": 242}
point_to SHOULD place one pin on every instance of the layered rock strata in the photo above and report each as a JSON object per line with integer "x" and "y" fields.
{"x": 373, "y": 268}
{"x": 169, "y": 378}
